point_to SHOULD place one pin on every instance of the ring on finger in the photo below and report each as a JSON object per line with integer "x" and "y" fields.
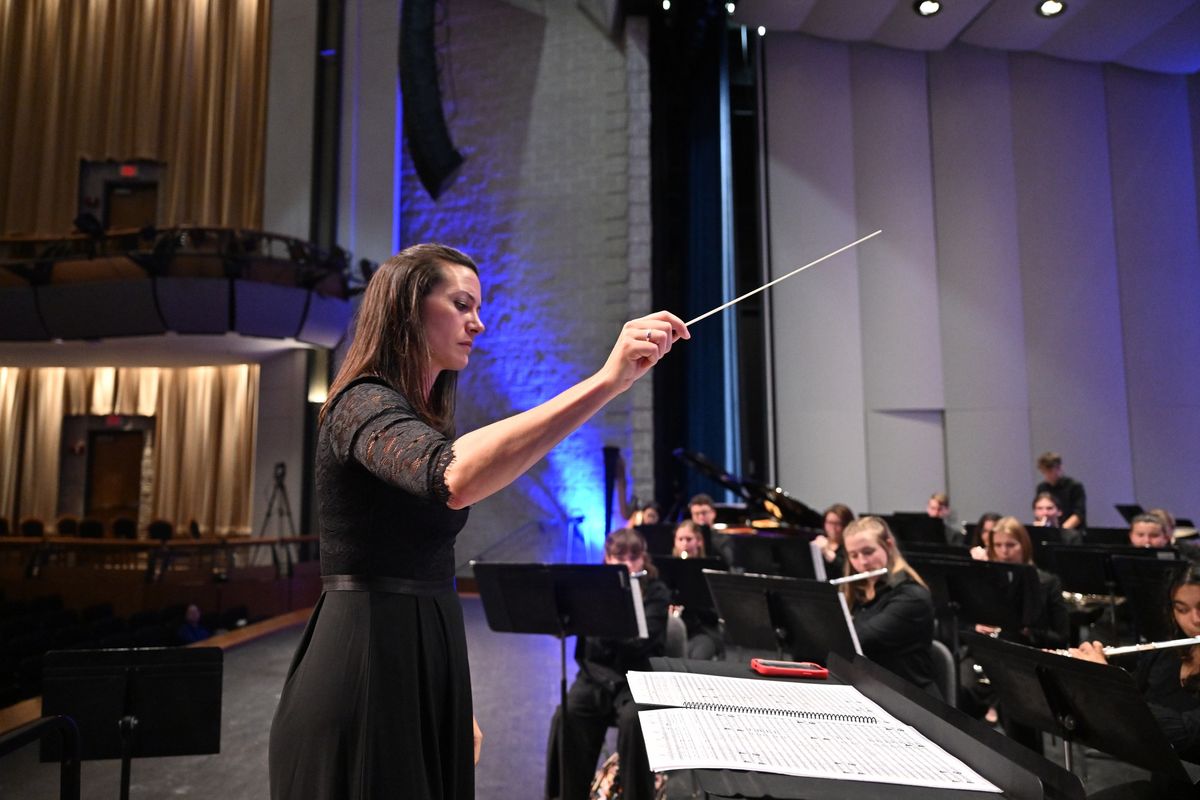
{"x": 649, "y": 332}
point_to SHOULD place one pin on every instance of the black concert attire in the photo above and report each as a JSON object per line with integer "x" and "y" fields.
{"x": 1070, "y": 497}
{"x": 895, "y": 629}
{"x": 704, "y": 638}
{"x": 377, "y": 702}
{"x": 600, "y": 696}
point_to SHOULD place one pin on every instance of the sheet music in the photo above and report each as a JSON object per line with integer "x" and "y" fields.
{"x": 683, "y": 689}
{"x": 638, "y": 608}
{"x": 684, "y": 738}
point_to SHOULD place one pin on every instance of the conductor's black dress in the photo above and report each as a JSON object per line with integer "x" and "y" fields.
{"x": 377, "y": 702}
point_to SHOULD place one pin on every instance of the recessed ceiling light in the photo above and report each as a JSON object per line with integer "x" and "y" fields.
{"x": 927, "y": 8}
{"x": 666, "y": 5}
{"x": 762, "y": 31}
{"x": 730, "y": 7}
{"x": 1051, "y": 8}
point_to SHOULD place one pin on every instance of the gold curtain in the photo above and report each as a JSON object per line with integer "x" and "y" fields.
{"x": 183, "y": 81}
{"x": 12, "y": 419}
{"x": 41, "y": 452}
{"x": 203, "y": 447}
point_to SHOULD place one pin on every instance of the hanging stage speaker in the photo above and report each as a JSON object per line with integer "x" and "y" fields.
{"x": 429, "y": 144}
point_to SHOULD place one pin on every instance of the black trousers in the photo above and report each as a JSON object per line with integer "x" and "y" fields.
{"x": 591, "y": 708}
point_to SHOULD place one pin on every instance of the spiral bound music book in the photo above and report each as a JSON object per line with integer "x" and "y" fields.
{"x": 810, "y": 730}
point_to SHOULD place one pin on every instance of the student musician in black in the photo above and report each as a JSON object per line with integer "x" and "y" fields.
{"x": 1049, "y": 623}
{"x": 600, "y": 694}
{"x": 1071, "y": 496}
{"x": 704, "y": 638}
{"x": 1170, "y": 681}
{"x": 893, "y": 613}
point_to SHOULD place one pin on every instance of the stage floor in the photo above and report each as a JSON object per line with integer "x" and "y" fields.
{"x": 515, "y": 684}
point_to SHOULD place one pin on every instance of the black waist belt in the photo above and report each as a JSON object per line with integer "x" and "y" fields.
{"x": 372, "y": 583}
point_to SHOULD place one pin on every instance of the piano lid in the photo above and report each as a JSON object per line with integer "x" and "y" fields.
{"x": 772, "y": 501}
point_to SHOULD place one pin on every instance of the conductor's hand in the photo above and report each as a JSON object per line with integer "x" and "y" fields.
{"x": 478, "y": 737}
{"x": 642, "y": 343}
{"x": 1089, "y": 651}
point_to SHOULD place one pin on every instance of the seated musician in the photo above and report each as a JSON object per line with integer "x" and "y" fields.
{"x": 644, "y": 514}
{"x": 600, "y": 694}
{"x": 837, "y": 517}
{"x": 1148, "y": 530}
{"x": 1048, "y": 514}
{"x": 1049, "y": 625}
{"x": 1169, "y": 678}
{"x": 892, "y": 613}
{"x": 981, "y": 537}
{"x": 938, "y": 506}
{"x": 704, "y": 638}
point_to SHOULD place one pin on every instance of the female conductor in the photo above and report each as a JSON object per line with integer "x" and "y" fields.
{"x": 377, "y": 701}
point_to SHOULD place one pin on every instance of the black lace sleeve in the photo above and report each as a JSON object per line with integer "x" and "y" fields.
{"x": 375, "y": 426}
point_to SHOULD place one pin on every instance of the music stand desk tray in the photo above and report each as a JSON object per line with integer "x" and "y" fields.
{"x": 1014, "y": 768}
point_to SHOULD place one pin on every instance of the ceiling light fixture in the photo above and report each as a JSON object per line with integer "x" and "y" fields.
{"x": 1051, "y": 8}
{"x": 762, "y": 31}
{"x": 927, "y": 8}
{"x": 666, "y": 5}
{"x": 730, "y": 7}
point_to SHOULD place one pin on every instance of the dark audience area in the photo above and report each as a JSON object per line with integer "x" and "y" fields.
{"x": 31, "y": 628}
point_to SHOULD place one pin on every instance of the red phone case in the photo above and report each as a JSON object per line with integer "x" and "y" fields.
{"x": 803, "y": 669}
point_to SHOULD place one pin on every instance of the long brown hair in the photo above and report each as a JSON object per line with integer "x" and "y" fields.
{"x": 389, "y": 335}
{"x": 856, "y": 591}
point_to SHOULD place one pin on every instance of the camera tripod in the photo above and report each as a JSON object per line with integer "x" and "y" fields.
{"x": 281, "y": 506}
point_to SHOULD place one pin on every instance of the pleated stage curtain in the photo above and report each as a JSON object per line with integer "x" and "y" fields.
{"x": 182, "y": 82}
{"x": 202, "y": 451}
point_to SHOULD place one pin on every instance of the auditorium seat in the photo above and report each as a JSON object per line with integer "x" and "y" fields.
{"x": 91, "y": 528}
{"x": 67, "y": 526}
{"x": 4, "y": 528}
{"x": 33, "y": 527}
{"x": 160, "y": 529}
{"x": 124, "y": 528}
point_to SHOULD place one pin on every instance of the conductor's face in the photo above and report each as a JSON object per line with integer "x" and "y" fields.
{"x": 451, "y": 316}
{"x": 633, "y": 562}
{"x": 1186, "y": 605}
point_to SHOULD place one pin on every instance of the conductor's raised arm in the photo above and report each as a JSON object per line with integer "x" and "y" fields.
{"x": 489, "y": 458}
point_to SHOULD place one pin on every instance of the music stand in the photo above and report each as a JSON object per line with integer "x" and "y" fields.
{"x": 809, "y": 619}
{"x": 793, "y": 556}
{"x": 561, "y": 600}
{"x": 1146, "y": 583}
{"x": 1107, "y": 537}
{"x": 685, "y": 578}
{"x": 1097, "y": 705}
{"x": 980, "y": 592}
{"x": 1129, "y": 510}
{"x": 164, "y": 701}
{"x": 917, "y": 526}
{"x": 660, "y": 538}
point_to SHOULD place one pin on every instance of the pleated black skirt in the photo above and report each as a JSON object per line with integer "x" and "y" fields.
{"x": 377, "y": 703}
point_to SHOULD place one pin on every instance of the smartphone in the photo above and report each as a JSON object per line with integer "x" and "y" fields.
{"x": 788, "y": 669}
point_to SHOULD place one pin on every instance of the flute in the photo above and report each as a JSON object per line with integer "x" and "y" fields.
{"x": 1125, "y": 650}
{"x": 859, "y": 576}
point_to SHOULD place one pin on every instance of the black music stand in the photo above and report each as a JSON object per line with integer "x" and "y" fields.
{"x": 1107, "y": 537}
{"x": 1128, "y": 511}
{"x": 917, "y": 526}
{"x": 164, "y": 701}
{"x": 561, "y": 600}
{"x": 807, "y": 619}
{"x": 1014, "y": 768}
{"x": 794, "y": 556}
{"x": 1146, "y": 584}
{"x": 1097, "y": 705}
{"x": 980, "y": 592}
{"x": 685, "y": 578}
{"x": 660, "y": 538}
{"x": 1088, "y": 569}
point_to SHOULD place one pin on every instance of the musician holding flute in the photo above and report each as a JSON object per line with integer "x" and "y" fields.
{"x": 892, "y": 613}
{"x": 1169, "y": 677}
